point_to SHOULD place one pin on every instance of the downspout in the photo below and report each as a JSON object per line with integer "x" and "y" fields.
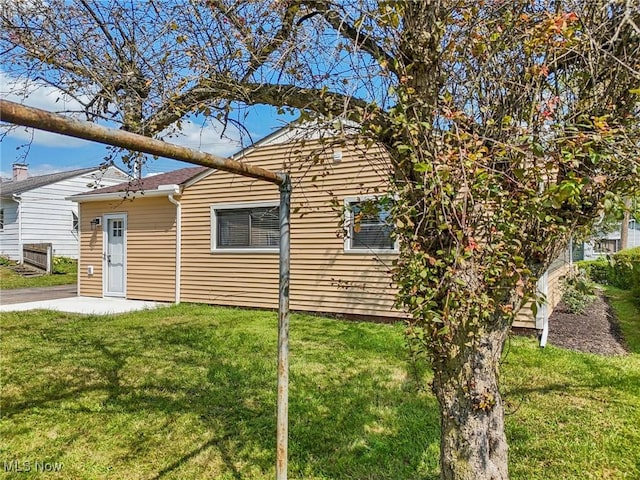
{"x": 79, "y": 271}
{"x": 544, "y": 288}
{"x": 178, "y": 243}
{"x": 18, "y": 199}
{"x": 571, "y": 251}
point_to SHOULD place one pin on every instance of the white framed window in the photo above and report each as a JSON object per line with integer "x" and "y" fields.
{"x": 247, "y": 227}
{"x": 607, "y": 245}
{"x": 1, "y": 219}
{"x": 368, "y": 226}
{"x": 74, "y": 221}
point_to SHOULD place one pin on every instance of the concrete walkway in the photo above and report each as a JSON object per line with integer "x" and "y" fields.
{"x": 86, "y": 305}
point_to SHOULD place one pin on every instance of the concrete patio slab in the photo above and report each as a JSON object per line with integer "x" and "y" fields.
{"x": 86, "y": 305}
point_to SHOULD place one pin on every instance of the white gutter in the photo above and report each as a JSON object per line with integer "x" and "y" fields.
{"x": 78, "y": 270}
{"x": 161, "y": 191}
{"x": 178, "y": 240}
{"x": 18, "y": 199}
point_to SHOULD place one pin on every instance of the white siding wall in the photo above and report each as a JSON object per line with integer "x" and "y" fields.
{"x": 9, "y": 234}
{"x": 634, "y": 234}
{"x": 633, "y": 240}
{"x": 47, "y": 216}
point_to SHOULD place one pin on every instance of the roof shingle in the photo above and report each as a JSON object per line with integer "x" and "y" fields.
{"x": 8, "y": 188}
{"x": 176, "y": 177}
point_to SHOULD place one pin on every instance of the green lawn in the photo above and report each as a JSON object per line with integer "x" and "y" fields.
{"x": 189, "y": 392}
{"x": 65, "y": 272}
{"x": 627, "y": 310}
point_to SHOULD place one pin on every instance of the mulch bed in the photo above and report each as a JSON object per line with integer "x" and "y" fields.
{"x": 594, "y": 331}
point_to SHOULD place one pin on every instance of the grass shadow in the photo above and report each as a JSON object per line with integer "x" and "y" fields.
{"x": 349, "y": 416}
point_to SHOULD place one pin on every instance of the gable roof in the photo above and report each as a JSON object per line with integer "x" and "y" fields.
{"x": 10, "y": 187}
{"x": 293, "y": 131}
{"x": 176, "y": 177}
{"x": 301, "y": 130}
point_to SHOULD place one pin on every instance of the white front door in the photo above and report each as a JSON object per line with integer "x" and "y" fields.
{"x": 115, "y": 255}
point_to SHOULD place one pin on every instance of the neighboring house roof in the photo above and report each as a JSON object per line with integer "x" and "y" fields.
{"x": 176, "y": 177}
{"x": 10, "y": 187}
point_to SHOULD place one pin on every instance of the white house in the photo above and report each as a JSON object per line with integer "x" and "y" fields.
{"x": 34, "y": 209}
{"x": 610, "y": 243}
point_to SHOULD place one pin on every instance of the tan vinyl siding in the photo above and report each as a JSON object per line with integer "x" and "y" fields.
{"x": 323, "y": 277}
{"x": 151, "y": 247}
{"x": 555, "y": 275}
{"x": 554, "y": 280}
{"x": 90, "y": 251}
{"x": 525, "y": 318}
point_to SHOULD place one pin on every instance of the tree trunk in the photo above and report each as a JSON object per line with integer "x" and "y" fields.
{"x": 473, "y": 443}
{"x": 624, "y": 228}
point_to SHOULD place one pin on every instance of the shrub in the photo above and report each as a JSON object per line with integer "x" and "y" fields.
{"x": 625, "y": 270}
{"x": 62, "y": 265}
{"x": 596, "y": 270}
{"x": 578, "y": 292}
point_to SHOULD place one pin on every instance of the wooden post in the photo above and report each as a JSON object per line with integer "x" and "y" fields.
{"x": 32, "y": 117}
{"x": 283, "y": 331}
{"x": 49, "y": 258}
{"x": 42, "y": 120}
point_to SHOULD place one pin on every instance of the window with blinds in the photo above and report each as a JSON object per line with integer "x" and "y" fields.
{"x": 247, "y": 227}
{"x": 369, "y": 227}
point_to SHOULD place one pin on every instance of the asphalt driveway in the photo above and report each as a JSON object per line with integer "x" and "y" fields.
{"x": 65, "y": 299}
{"x": 22, "y": 295}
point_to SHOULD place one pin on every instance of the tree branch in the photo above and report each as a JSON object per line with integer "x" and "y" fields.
{"x": 105, "y": 31}
{"x": 276, "y": 42}
{"x": 211, "y": 90}
{"x": 345, "y": 25}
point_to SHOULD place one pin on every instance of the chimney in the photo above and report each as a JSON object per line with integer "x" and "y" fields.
{"x": 19, "y": 172}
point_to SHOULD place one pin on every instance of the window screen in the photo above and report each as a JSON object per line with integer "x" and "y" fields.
{"x": 370, "y": 226}
{"x": 248, "y": 227}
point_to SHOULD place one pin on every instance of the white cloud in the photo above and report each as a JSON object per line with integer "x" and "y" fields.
{"x": 47, "y": 168}
{"x": 205, "y": 137}
{"x": 29, "y": 6}
{"x": 46, "y": 98}
{"x": 47, "y": 139}
{"x": 36, "y": 95}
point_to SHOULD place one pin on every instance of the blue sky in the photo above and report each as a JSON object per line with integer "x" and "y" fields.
{"x": 48, "y": 153}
